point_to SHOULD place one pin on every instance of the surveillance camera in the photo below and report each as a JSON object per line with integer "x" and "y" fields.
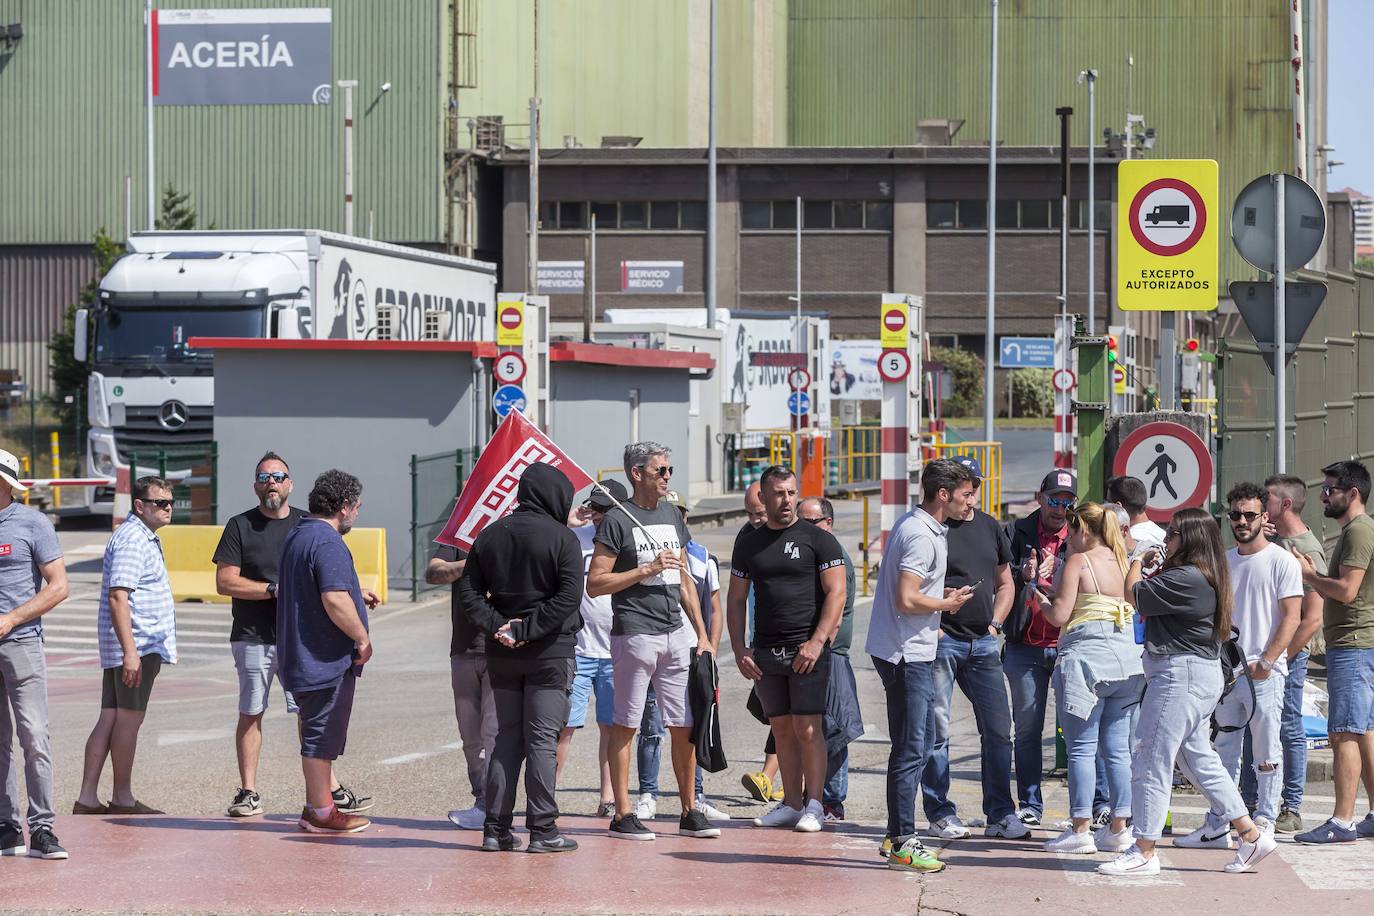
{"x": 386, "y": 87}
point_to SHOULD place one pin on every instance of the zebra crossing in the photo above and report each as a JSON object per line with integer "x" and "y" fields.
{"x": 69, "y": 631}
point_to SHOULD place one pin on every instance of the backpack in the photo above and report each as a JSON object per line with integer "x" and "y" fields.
{"x": 1233, "y": 669}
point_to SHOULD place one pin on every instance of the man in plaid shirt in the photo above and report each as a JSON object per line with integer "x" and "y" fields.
{"x": 137, "y": 628}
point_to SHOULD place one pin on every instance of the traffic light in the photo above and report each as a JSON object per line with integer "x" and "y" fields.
{"x": 1191, "y": 345}
{"x": 1112, "y": 343}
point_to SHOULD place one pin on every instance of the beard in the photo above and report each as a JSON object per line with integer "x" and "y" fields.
{"x": 1246, "y": 536}
{"x": 1334, "y": 509}
{"x": 345, "y": 528}
{"x": 272, "y": 501}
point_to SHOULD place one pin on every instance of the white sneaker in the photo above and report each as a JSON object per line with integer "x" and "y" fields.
{"x": 469, "y": 818}
{"x": 1131, "y": 863}
{"x": 1107, "y": 841}
{"x": 1072, "y": 843}
{"x": 1263, "y": 823}
{"x": 779, "y": 816}
{"x": 1248, "y": 855}
{"x": 711, "y": 811}
{"x": 1009, "y": 826}
{"x": 950, "y": 828}
{"x": 1201, "y": 838}
{"x": 646, "y": 809}
{"x": 812, "y": 818}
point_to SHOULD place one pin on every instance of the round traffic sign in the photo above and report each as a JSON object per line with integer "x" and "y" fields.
{"x": 798, "y": 402}
{"x": 799, "y": 379}
{"x": 509, "y": 368}
{"x": 1064, "y": 380}
{"x": 894, "y": 320}
{"x": 511, "y": 317}
{"x": 894, "y": 365}
{"x": 1172, "y": 461}
{"x": 1167, "y": 216}
{"x": 508, "y": 398}
{"x": 1119, "y": 375}
{"x": 1252, "y": 222}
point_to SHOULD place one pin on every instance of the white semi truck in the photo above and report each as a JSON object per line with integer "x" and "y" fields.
{"x": 151, "y": 391}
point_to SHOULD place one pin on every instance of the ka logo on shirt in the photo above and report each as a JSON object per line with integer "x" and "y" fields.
{"x": 790, "y": 549}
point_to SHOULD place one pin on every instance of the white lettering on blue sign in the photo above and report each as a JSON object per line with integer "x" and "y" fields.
{"x": 231, "y": 54}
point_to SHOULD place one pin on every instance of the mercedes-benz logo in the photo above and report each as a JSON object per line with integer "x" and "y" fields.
{"x": 173, "y": 415}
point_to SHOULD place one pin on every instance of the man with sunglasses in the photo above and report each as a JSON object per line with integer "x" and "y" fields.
{"x": 1038, "y": 544}
{"x": 1348, "y": 587}
{"x": 1267, "y": 584}
{"x": 136, "y": 623}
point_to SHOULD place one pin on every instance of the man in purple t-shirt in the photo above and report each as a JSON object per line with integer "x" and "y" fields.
{"x": 322, "y": 640}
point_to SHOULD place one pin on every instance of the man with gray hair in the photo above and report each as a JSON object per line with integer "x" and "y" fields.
{"x": 640, "y": 555}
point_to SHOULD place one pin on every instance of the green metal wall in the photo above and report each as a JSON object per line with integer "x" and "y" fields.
{"x": 72, "y": 101}
{"x": 631, "y": 67}
{"x": 1211, "y": 76}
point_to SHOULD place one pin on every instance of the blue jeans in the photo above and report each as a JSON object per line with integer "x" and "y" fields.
{"x": 907, "y": 686}
{"x": 648, "y": 749}
{"x": 975, "y": 666}
{"x": 1294, "y": 737}
{"x": 836, "y": 779}
{"x": 1101, "y": 744}
{"x": 1028, "y": 670}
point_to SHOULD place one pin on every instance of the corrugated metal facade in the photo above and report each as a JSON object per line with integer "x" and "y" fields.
{"x": 37, "y": 283}
{"x": 72, "y": 97}
{"x": 1211, "y": 77}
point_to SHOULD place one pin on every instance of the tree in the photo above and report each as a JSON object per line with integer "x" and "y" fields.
{"x": 967, "y": 371}
{"x": 177, "y": 212}
{"x": 1031, "y": 392}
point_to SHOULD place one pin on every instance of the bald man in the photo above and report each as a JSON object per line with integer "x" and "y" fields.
{"x": 753, "y": 504}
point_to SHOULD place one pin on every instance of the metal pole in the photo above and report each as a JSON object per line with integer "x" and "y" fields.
{"x": 801, "y": 343}
{"x": 1168, "y": 360}
{"x": 1300, "y": 125}
{"x": 989, "y": 343}
{"x": 1065, "y": 118}
{"x": 347, "y": 86}
{"x": 148, "y": 104}
{"x": 711, "y": 180}
{"x": 1280, "y": 331}
{"x": 532, "y": 279}
{"x": 1091, "y": 77}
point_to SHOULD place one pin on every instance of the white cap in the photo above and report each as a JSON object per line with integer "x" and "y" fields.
{"x": 9, "y": 471}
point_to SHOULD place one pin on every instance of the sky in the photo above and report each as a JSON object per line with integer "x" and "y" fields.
{"x": 1350, "y": 102}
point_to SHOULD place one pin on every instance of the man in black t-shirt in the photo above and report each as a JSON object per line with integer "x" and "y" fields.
{"x": 246, "y": 562}
{"x": 474, "y": 705}
{"x": 968, "y": 653}
{"x": 797, "y": 572}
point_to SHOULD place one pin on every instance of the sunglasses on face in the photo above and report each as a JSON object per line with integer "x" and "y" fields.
{"x": 1328, "y": 489}
{"x": 160, "y": 503}
{"x": 815, "y": 521}
{"x": 274, "y": 476}
{"x": 662, "y": 472}
{"x": 1055, "y": 503}
{"x": 1236, "y": 515}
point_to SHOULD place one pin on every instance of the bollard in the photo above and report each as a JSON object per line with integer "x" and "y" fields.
{"x": 56, "y": 470}
{"x": 25, "y": 462}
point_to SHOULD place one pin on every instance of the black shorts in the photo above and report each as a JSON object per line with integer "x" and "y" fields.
{"x": 782, "y": 691}
{"x": 113, "y": 693}
{"x": 324, "y": 716}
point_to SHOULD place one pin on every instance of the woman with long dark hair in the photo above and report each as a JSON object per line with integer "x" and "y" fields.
{"x": 1187, "y": 611}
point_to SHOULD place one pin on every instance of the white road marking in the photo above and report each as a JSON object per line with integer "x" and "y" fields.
{"x": 1337, "y": 867}
{"x": 166, "y": 739}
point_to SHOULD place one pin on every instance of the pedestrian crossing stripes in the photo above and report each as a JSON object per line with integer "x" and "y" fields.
{"x": 69, "y": 632}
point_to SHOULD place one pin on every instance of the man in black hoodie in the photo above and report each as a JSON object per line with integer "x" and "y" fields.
{"x": 522, "y": 586}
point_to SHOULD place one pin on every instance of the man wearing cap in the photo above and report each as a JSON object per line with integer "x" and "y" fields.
{"x": 968, "y": 653}
{"x": 1038, "y": 544}
{"x": 33, "y": 581}
{"x": 593, "y": 651}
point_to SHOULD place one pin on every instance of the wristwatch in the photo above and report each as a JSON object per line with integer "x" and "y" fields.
{"x": 1265, "y": 663}
{"x": 997, "y": 625}
{"x": 271, "y": 589}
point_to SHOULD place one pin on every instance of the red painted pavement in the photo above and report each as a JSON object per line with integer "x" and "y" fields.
{"x": 407, "y": 864}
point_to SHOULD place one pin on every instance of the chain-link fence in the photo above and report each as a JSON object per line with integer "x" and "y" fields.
{"x": 435, "y": 481}
{"x": 48, "y": 436}
{"x": 191, "y": 470}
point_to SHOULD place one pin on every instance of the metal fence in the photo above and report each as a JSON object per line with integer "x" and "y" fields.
{"x": 192, "y": 470}
{"x": 1330, "y": 396}
{"x": 435, "y": 482}
{"x": 32, "y": 428}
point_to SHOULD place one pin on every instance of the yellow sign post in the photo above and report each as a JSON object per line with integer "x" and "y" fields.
{"x": 895, "y": 323}
{"x": 1169, "y": 220}
{"x": 510, "y": 320}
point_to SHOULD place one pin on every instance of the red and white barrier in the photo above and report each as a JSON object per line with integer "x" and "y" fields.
{"x": 69, "y": 482}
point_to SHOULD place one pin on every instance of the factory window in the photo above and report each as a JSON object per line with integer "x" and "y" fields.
{"x": 940, "y": 214}
{"x": 1035, "y": 214}
{"x": 849, "y": 214}
{"x": 605, "y": 214}
{"x": 634, "y": 214}
{"x": 663, "y": 214}
{"x": 1007, "y": 214}
{"x": 973, "y": 214}
{"x": 878, "y": 214}
{"x": 817, "y": 214}
{"x": 757, "y": 214}
{"x": 784, "y": 214}
{"x": 572, "y": 215}
{"x": 693, "y": 214}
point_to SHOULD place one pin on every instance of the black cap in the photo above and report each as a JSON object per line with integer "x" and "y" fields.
{"x": 1060, "y": 481}
{"x": 599, "y": 501}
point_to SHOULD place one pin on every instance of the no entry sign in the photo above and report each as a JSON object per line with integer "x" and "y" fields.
{"x": 893, "y": 326}
{"x": 1168, "y": 234}
{"x": 1172, "y": 461}
{"x": 510, "y": 321}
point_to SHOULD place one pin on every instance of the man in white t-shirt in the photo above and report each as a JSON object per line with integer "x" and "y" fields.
{"x": 1129, "y": 493}
{"x": 593, "y": 651}
{"x": 1267, "y": 583}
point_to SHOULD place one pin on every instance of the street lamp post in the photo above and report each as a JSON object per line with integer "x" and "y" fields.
{"x": 989, "y": 341}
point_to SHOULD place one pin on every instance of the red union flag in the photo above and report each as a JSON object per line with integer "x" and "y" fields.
{"x": 490, "y": 490}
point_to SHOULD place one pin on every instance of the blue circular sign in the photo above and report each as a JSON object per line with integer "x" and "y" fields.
{"x": 508, "y": 398}
{"x": 799, "y": 402}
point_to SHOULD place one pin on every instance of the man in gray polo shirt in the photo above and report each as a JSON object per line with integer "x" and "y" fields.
{"x": 902, "y": 632}
{"x": 33, "y": 581}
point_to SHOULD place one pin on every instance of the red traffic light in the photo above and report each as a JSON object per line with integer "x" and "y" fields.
{"x": 1191, "y": 345}
{"x": 1111, "y": 342}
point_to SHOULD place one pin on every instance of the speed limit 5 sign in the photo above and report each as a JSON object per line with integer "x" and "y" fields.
{"x": 894, "y": 365}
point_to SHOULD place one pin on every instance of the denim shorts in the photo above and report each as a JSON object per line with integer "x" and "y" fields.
{"x": 1350, "y": 685}
{"x": 593, "y": 676}
{"x": 256, "y": 665}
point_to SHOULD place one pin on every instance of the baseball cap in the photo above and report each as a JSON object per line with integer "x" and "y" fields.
{"x": 9, "y": 471}
{"x": 600, "y": 501}
{"x": 674, "y": 498}
{"x": 970, "y": 464}
{"x": 1060, "y": 481}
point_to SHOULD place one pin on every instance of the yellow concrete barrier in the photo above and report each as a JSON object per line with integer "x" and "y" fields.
{"x": 188, "y": 550}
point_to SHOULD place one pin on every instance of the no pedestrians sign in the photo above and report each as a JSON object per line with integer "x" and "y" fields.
{"x": 1167, "y": 248}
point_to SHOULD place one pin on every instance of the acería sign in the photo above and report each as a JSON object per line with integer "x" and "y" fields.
{"x": 651, "y": 276}
{"x": 242, "y": 57}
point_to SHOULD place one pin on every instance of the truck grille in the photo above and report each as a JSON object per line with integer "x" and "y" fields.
{"x": 142, "y": 432}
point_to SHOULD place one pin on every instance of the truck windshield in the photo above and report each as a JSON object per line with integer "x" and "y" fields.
{"x": 160, "y": 335}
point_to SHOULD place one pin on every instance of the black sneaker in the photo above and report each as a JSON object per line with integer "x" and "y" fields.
{"x": 1028, "y": 817}
{"x": 43, "y": 844}
{"x": 629, "y": 828}
{"x": 348, "y": 803}
{"x": 11, "y": 841}
{"x": 246, "y": 803}
{"x": 694, "y": 823}
{"x": 557, "y": 843}
{"x": 493, "y": 843}
{"x": 1102, "y": 818}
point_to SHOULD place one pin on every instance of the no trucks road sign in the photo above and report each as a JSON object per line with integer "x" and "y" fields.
{"x": 1167, "y": 248}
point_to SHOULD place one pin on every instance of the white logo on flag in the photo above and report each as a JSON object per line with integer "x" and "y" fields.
{"x": 498, "y": 500}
